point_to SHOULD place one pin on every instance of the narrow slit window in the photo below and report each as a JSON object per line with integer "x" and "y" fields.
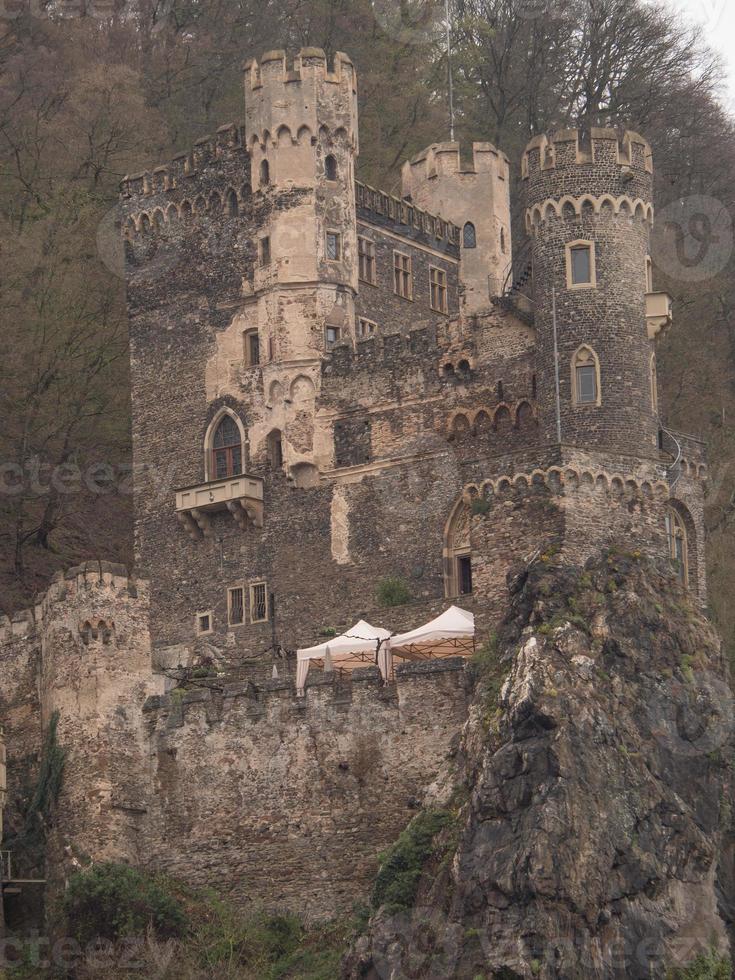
{"x": 258, "y": 603}
{"x": 252, "y": 348}
{"x": 464, "y": 574}
{"x": 236, "y": 606}
{"x": 402, "y": 275}
{"x": 366, "y": 260}
{"x": 265, "y": 251}
{"x": 438, "y": 290}
{"x": 334, "y": 246}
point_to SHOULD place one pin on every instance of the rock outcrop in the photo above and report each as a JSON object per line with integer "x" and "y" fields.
{"x": 591, "y": 794}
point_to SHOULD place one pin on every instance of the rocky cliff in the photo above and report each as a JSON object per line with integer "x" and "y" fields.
{"x": 582, "y": 828}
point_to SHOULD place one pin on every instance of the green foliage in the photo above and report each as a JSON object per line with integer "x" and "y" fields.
{"x": 707, "y": 966}
{"x": 402, "y": 865}
{"x": 393, "y": 591}
{"x": 113, "y": 901}
{"x": 29, "y": 844}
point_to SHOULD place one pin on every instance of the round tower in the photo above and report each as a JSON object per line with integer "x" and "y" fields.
{"x": 589, "y": 215}
{"x": 475, "y": 195}
{"x": 301, "y": 134}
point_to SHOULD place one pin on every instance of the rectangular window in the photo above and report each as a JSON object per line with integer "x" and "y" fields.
{"x": 334, "y": 246}
{"x": 581, "y": 265}
{"x": 258, "y": 603}
{"x": 402, "y": 277}
{"x": 587, "y": 384}
{"x": 366, "y": 328}
{"x": 332, "y": 335}
{"x": 438, "y": 290}
{"x": 227, "y": 462}
{"x": 252, "y": 348}
{"x": 236, "y": 606}
{"x": 265, "y": 251}
{"x": 204, "y": 623}
{"x": 464, "y": 575}
{"x": 366, "y": 259}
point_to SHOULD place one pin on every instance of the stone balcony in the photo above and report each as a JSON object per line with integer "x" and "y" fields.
{"x": 659, "y": 313}
{"x": 242, "y": 496}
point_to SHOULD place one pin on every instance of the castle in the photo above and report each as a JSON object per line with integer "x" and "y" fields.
{"x": 334, "y": 387}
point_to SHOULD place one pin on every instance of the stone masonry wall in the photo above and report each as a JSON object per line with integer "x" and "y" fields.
{"x": 287, "y": 801}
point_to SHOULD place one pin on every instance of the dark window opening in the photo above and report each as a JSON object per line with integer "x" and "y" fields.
{"x": 464, "y": 574}
{"x": 233, "y": 208}
{"x": 265, "y": 173}
{"x": 587, "y": 384}
{"x": 258, "y": 603}
{"x": 275, "y": 450}
{"x": 236, "y": 605}
{"x": 469, "y": 236}
{"x": 581, "y": 265}
{"x": 204, "y": 623}
{"x": 330, "y": 167}
{"x": 265, "y": 251}
{"x": 252, "y": 348}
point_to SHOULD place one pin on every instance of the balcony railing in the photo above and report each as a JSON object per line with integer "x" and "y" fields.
{"x": 659, "y": 313}
{"x": 242, "y": 496}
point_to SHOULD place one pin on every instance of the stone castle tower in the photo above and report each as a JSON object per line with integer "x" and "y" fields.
{"x": 589, "y": 215}
{"x": 332, "y": 388}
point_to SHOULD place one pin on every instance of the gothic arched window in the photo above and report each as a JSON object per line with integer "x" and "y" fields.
{"x": 226, "y": 449}
{"x": 676, "y": 533}
{"x": 585, "y": 377}
{"x": 469, "y": 236}
{"x": 330, "y": 167}
{"x": 265, "y": 173}
{"x": 458, "y": 553}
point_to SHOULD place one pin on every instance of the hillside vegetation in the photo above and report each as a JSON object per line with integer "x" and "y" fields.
{"x": 113, "y": 88}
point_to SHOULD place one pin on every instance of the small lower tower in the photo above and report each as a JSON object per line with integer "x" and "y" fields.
{"x": 476, "y": 197}
{"x": 589, "y": 214}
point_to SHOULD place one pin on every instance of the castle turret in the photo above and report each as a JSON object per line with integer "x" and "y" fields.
{"x": 476, "y": 197}
{"x": 301, "y": 133}
{"x": 589, "y": 214}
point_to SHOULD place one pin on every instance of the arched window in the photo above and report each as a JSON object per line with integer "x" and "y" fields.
{"x": 585, "y": 377}
{"x": 233, "y": 208}
{"x": 265, "y": 173}
{"x": 226, "y": 449}
{"x": 678, "y": 544}
{"x": 330, "y": 167}
{"x": 469, "y": 236}
{"x": 654, "y": 385}
{"x": 458, "y": 553}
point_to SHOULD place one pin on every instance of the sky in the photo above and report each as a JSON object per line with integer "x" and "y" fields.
{"x": 717, "y": 19}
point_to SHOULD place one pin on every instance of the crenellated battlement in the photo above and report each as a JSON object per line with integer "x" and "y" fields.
{"x": 94, "y": 584}
{"x": 566, "y": 148}
{"x": 441, "y": 159}
{"x": 309, "y": 64}
{"x": 226, "y": 146}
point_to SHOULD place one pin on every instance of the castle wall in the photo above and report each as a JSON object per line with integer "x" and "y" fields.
{"x": 287, "y": 802}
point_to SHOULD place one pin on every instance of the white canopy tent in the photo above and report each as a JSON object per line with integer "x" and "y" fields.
{"x": 450, "y": 635}
{"x": 364, "y": 645}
